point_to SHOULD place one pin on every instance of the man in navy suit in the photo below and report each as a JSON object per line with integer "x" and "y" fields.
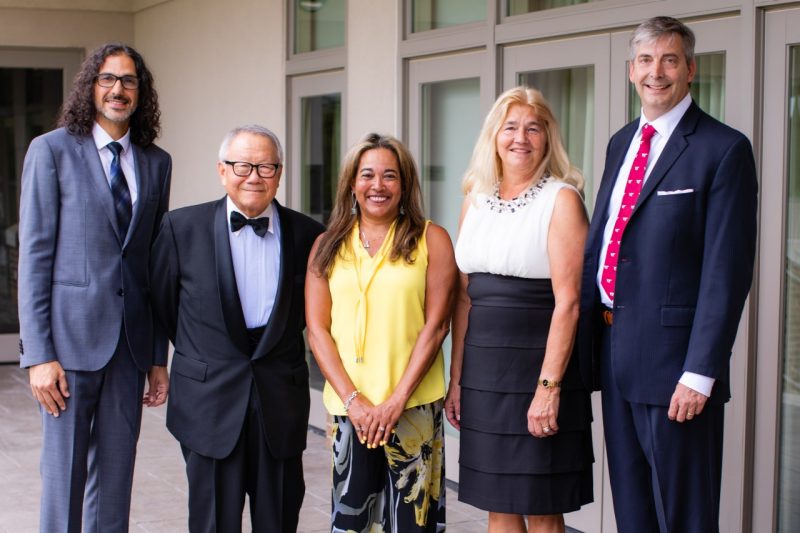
{"x": 668, "y": 265}
{"x": 93, "y": 193}
{"x": 228, "y": 279}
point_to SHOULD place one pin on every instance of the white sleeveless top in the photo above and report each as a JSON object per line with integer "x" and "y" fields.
{"x": 509, "y": 237}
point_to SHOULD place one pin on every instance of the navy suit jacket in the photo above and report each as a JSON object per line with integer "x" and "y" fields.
{"x": 196, "y": 298}
{"x": 78, "y": 275}
{"x": 685, "y": 262}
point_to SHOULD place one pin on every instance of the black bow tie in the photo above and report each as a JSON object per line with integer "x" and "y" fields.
{"x": 260, "y": 225}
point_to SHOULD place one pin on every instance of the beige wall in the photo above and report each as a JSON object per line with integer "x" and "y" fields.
{"x": 372, "y": 68}
{"x": 217, "y": 65}
{"x": 63, "y": 28}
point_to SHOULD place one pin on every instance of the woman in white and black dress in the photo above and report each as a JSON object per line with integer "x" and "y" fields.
{"x": 515, "y": 391}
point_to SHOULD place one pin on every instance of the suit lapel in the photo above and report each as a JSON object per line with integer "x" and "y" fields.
{"x": 614, "y": 161}
{"x": 283, "y": 299}
{"x": 142, "y": 171}
{"x": 88, "y": 152}
{"x": 675, "y": 146}
{"x": 228, "y": 291}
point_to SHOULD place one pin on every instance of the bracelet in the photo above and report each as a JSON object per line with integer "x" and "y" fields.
{"x": 350, "y": 399}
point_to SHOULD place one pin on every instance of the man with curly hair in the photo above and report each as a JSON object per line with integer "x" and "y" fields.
{"x": 93, "y": 194}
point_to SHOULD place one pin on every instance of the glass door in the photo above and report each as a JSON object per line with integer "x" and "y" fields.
{"x": 776, "y": 494}
{"x": 32, "y": 88}
{"x": 574, "y": 75}
{"x": 314, "y": 153}
{"x": 446, "y": 106}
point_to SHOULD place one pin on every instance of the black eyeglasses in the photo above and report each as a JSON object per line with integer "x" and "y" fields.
{"x": 243, "y": 169}
{"x": 106, "y": 79}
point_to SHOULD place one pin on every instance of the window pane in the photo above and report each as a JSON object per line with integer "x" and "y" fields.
{"x": 29, "y": 102}
{"x": 789, "y": 499}
{"x": 319, "y": 153}
{"x": 570, "y": 92}
{"x": 451, "y": 119}
{"x": 433, "y": 14}
{"x": 708, "y": 87}
{"x": 518, "y": 7}
{"x": 318, "y": 24}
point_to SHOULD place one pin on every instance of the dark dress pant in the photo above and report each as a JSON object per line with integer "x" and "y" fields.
{"x": 88, "y": 452}
{"x": 665, "y": 475}
{"x": 217, "y": 487}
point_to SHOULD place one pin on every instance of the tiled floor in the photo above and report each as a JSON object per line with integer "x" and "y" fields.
{"x": 159, "y": 498}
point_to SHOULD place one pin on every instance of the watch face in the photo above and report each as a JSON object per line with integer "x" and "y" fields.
{"x": 545, "y": 383}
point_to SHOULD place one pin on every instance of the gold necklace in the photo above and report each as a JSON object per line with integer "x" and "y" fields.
{"x": 366, "y": 242}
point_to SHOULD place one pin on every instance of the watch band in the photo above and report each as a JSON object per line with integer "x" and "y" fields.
{"x": 549, "y": 383}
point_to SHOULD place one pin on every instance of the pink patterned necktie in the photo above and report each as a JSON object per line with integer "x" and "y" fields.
{"x": 632, "y": 190}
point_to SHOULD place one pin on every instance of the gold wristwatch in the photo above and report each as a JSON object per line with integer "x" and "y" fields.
{"x": 549, "y": 383}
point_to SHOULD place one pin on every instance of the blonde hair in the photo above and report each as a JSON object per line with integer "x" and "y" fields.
{"x": 485, "y": 170}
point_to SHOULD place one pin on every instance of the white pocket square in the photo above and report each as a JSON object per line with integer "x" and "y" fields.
{"x": 678, "y": 191}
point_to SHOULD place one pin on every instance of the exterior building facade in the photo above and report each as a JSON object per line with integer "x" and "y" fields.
{"x": 322, "y": 73}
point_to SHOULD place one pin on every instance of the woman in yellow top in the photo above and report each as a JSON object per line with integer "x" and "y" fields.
{"x": 379, "y": 298}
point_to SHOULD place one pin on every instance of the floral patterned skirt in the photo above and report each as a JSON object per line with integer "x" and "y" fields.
{"x": 398, "y": 487}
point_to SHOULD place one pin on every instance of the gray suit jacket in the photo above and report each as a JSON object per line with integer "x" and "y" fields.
{"x": 78, "y": 276}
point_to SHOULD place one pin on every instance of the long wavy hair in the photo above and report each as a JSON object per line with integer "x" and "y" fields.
{"x": 485, "y": 170}
{"x": 409, "y": 226}
{"x": 79, "y": 112}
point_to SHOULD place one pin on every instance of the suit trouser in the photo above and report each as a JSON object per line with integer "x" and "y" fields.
{"x": 88, "y": 452}
{"x": 665, "y": 475}
{"x": 217, "y": 487}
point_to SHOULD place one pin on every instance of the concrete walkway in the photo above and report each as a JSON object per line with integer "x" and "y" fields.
{"x": 159, "y": 491}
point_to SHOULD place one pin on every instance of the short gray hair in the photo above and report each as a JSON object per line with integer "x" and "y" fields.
{"x": 653, "y": 29}
{"x": 254, "y": 129}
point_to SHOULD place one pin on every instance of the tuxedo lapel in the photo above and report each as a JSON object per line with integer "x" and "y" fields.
{"x": 228, "y": 291}
{"x": 87, "y": 151}
{"x": 675, "y": 146}
{"x": 283, "y": 299}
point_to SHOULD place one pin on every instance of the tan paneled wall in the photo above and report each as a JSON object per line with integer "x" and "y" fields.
{"x": 217, "y": 65}
{"x": 63, "y": 28}
{"x": 372, "y": 68}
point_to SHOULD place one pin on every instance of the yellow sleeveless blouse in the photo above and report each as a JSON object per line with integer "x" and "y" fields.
{"x": 377, "y": 312}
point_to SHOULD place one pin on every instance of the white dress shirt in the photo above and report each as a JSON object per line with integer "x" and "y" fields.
{"x": 101, "y": 140}
{"x": 257, "y": 266}
{"x": 664, "y": 125}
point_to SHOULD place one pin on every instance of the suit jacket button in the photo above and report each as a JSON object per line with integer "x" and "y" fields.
{"x": 124, "y": 254}
{"x": 121, "y": 292}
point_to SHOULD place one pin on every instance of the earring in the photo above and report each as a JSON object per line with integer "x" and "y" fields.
{"x": 353, "y": 207}
{"x": 402, "y": 210}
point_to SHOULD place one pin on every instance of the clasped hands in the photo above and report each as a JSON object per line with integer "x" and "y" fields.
{"x": 374, "y": 424}
{"x": 50, "y": 387}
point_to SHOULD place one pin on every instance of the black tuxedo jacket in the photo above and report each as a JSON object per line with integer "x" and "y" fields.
{"x": 685, "y": 262}
{"x": 196, "y": 299}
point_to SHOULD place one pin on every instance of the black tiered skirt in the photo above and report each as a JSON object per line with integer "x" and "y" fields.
{"x": 503, "y": 468}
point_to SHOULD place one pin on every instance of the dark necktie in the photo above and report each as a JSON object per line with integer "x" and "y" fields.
{"x": 119, "y": 189}
{"x": 632, "y": 189}
{"x": 259, "y": 225}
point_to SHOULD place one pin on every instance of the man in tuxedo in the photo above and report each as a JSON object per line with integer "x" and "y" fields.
{"x": 668, "y": 265}
{"x": 227, "y": 279}
{"x": 93, "y": 194}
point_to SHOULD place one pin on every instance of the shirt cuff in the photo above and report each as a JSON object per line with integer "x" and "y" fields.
{"x": 696, "y": 382}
